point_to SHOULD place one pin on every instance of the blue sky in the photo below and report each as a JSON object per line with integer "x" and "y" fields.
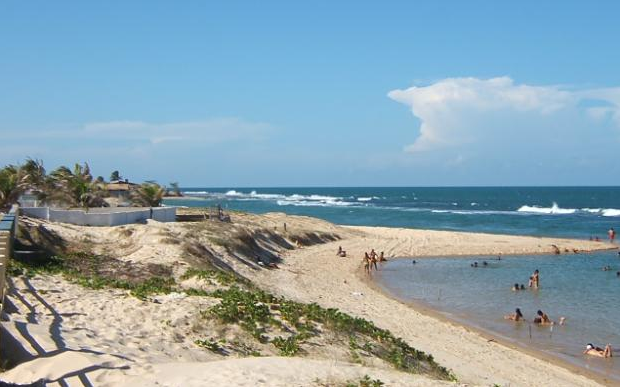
{"x": 317, "y": 93}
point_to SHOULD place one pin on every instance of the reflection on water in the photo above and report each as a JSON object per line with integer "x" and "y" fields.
{"x": 574, "y": 286}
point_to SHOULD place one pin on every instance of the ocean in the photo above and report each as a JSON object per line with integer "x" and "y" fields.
{"x": 576, "y": 212}
{"x": 573, "y": 286}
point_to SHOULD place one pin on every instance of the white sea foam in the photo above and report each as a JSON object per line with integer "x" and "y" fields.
{"x": 611, "y": 212}
{"x": 367, "y": 199}
{"x": 591, "y": 210}
{"x": 555, "y": 210}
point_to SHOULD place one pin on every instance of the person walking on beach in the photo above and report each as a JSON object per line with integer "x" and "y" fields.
{"x": 366, "y": 262}
{"x": 612, "y": 235}
{"x": 373, "y": 259}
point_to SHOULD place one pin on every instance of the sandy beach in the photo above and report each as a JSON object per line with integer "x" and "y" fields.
{"x": 73, "y": 335}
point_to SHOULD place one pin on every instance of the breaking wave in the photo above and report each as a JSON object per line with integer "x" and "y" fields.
{"x": 555, "y": 209}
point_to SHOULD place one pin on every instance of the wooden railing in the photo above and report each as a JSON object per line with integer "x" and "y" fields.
{"x": 8, "y": 228}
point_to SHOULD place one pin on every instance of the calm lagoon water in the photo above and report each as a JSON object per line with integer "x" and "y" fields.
{"x": 574, "y": 286}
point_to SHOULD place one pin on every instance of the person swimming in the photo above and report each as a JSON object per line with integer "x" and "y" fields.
{"x": 598, "y": 351}
{"x": 475, "y": 264}
{"x": 515, "y": 288}
{"x": 484, "y": 263}
{"x": 522, "y": 287}
{"x": 516, "y": 316}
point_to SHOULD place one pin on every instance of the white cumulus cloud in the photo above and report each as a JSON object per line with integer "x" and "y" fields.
{"x": 458, "y": 112}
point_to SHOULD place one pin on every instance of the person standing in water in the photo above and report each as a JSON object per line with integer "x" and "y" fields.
{"x": 612, "y": 235}
{"x": 536, "y": 279}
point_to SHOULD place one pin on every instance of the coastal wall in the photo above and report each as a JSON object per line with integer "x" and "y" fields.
{"x": 102, "y": 216}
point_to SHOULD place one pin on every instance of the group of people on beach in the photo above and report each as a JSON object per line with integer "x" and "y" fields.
{"x": 542, "y": 319}
{"x": 611, "y": 234}
{"x": 370, "y": 260}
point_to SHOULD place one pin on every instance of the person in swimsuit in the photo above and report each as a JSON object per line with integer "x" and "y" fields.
{"x": 373, "y": 259}
{"x": 516, "y": 316}
{"x": 598, "y": 351}
{"x": 543, "y": 319}
{"x": 366, "y": 262}
{"x": 536, "y": 279}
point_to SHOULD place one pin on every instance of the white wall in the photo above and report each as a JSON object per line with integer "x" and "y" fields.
{"x": 102, "y": 217}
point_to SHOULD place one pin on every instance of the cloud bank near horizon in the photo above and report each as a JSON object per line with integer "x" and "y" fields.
{"x": 465, "y": 113}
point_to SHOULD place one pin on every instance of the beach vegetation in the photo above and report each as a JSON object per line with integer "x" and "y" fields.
{"x": 210, "y": 344}
{"x": 115, "y": 176}
{"x": 288, "y": 347}
{"x": 148, "y": 194}
{"x": 174, "y": 190}
{"x": 366, "y": 381}
{"x": 219, "y": 276}
{"x": 255, "y": 312}
{"x": 76, "y": 187}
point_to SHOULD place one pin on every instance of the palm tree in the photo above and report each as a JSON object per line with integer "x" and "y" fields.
{"x": 149, "y": 194}
{"x": 33, "y": 178}
{"x": 174, "y": 189}
{"x": 115, "y": 176}
{"x": 10, "y": 187}
{"x": 77, "y": 188}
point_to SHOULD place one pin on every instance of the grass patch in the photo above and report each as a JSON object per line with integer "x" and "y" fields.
{"x": 221, "y": 277}
{"x": 98, "y": 272}
{"x": 366, "y": 381}
{"x": 254, "y": 311}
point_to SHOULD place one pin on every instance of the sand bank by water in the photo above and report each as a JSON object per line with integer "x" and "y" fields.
{"x": 107, "y": 337}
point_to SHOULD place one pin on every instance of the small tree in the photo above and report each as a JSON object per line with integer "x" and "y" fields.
{"x": 115, "y": 176}
{"x": 174, "y": 189}
{"x": 149, "y": 194}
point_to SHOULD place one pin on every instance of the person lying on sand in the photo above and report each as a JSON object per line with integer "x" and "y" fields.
{"x": 543, "y": 319}
{"x": 598, "y": 351}
{"x": 516, "y": 316}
